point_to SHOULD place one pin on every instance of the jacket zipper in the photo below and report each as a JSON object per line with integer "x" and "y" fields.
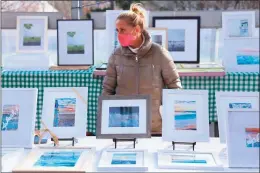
{"x": 137, "y": 76}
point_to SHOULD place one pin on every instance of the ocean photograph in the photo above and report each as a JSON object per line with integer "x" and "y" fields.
{"x": 58, "y": 159}
{"x": 185, "y": 115}
{"x": 157, "y": 39}
{"x": 10, "y": 117}
{"x": 64, "y": 112}
{"x": 240, "y": 105}
{"x": 124, "y": 159}
{"x": 124, "y": 116}
{"x": 247, "y": 59}
{"x": 176, "y": 40}
{"x": 252, "y": 137}
{"x": 187, "y": 159}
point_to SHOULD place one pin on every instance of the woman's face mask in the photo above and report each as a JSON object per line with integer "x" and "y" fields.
{"x": 126, "y": 39}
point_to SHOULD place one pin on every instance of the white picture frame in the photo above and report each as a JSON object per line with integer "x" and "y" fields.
{"x": 183, "y": 37}
{"x": 37, "y": 160}
{"x": 159, "y": 36}
{"x": 76, "y": 99}
{"x": 225, "y": 100}
{"x": 188, "y": 160}
{"x": 112, "y": 112}
{"x": 10, "y": 157}
{"x": 29, "y": 30}
{"x": 185, "y": 116}
{"x": 111, "y": 16}
{"x": 241, "y": 54}
{"x": 75, "y": 42}
{"x": 131, "y": 160}
{"x": 232, "y": 21}
{"x": 243, "y": 138}
{"x": 19, "y": 116}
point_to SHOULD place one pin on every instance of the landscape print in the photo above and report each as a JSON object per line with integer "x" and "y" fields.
{"x": 124, "y": 116}
{"x": 238, "y": 28}
{"x": 176, "y": 40}
{"x": 75, "y": 43}
{"x": 247, "y": 59}
{"x": 58, "y": 159}
{"x": 252, "y": 137}
{"x": 188, "y": 159}
{"x": 31, "y": 36}
{"x": 240, "y": 105}
{"x": 185, "y": 115}
{"x": 64, "y": 112}
{"x": 123, "y": 159}
{"x": 157, "y": 39}
{"x": 10, "y": 117}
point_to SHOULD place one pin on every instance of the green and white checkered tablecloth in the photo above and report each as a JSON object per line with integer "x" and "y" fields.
{"x": 84, "y": 78}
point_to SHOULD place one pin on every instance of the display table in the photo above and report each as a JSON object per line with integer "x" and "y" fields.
{"x": 248, "y": 82}
{"x": 152, "y": 145}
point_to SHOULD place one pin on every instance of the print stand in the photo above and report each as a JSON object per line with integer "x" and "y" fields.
{"x": 115, "y": 140}
{"x": 184, "y": 143}
{"x": 66, "y": 139}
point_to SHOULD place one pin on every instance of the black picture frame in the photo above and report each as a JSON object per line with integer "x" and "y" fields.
{"x": 58, "y": 54}
{"x": 198, "y": 32}
{"x": 111, "y": 98}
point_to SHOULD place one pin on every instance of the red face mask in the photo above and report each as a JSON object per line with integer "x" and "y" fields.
{"x": 125, "y": 39}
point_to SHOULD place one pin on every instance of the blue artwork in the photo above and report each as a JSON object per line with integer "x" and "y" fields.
{"x": 244, "y": 28}
{"x": 176, "y": 40}
{"x": 10, "y": 118}
{"x": 247, "y": 59}
{"x": 58, "y": 159}
{"x": 185, "y": 116}
{"x": 238, "y": 28}
{"x": 240, "y": 105}
{"x": 64, "y": 112}
{"x": 124, "y": 116}
{"x": 124, "y": 158}
{"x": 75, "y": 43}
{"x": 188, "y": 159}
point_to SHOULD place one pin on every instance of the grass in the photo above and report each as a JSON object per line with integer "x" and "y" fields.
{"x": 75, "y": 49}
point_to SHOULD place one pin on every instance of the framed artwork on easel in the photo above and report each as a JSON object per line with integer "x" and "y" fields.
{"x": 185, "y": 117}
{"x": 65, "y": 111}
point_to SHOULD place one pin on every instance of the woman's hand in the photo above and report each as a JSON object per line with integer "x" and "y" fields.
{"x": 160, "y": 110}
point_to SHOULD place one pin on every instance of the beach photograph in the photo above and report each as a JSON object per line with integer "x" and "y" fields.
{"x": 75, "y": 43}
{"x": 247, "y": 59}
{"x": 124, "y": 159}
{"x": 185, "y": 115}
{"x": 10, "y": 117}
{"x": 58, "y": 159}
{"x": 64, "y": 112}
{"x": 31, "y": 35}
{"x": 238, "y": 28}
{"x": 124, "y": 116}
{"x": 252, "y": 137}
{"x": 187, "y": 159}
{"x": 240, "y": 105}
{"x": 157, "y": 39}
{"x": 176, "y": 40}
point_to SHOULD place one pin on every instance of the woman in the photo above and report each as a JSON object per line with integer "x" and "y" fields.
{"x": 139, "y": 66}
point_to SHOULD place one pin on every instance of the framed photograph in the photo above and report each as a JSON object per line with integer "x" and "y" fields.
{"x": 243, "y": 138}
{"x": 188, "y": 160}
{"x": 159, "y": 36}
{"x": 183, "y": 37}
{"x": 238, "y": 24}
{"x": 233, "y": 100}
{"x": 65, "y": 111}
{"x": 112, "y": 40}
{"x": 123, "y": 160}
{"x": 241, "y": 54}
{"x": 124, "y": 117}
{"x": 185, "y": 116}
{"x": 10, "y": 157}
{"x": 58, "y": 159}
{"x": 32, "y": 34}
{"x": 75, "y": 42}
{"x": 18, "y": 117}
